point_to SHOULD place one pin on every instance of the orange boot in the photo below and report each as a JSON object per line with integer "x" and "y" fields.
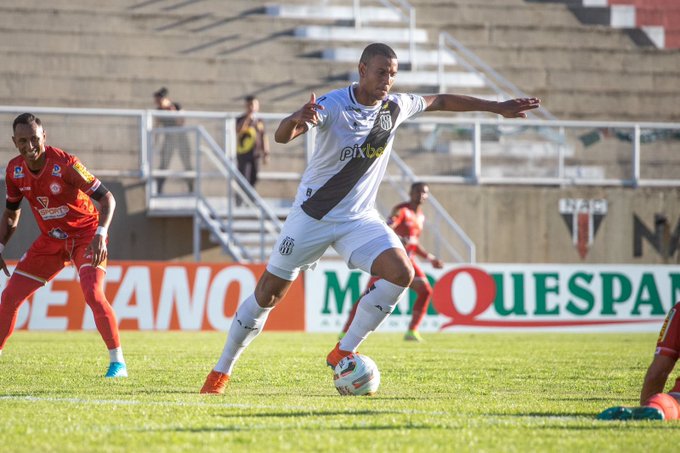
{"x": 336, "y": 355}
{"x": 215, "y": 383}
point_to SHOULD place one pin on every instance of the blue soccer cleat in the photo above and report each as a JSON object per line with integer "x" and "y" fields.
{"x": 116, "y": 370}
{"x": 647, "y": 413}
{"x": 631, "y": 413}
{"x": 616, "y": 413}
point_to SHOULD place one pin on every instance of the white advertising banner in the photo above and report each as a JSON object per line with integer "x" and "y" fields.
{"x": 509, "y": 297}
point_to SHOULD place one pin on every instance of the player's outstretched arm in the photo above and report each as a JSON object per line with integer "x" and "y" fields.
{"x": 513, "y": 108}
{"x": 436, "y": 262}
{"x": 656, "y": 377}
{"x": 295, "y": 124}
{"x": 10, "y": 222}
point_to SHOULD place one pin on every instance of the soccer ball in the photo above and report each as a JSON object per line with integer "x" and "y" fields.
{"x": 357, "y": 375}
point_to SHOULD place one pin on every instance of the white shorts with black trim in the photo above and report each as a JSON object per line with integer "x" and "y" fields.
{"x": 303, "y": 240}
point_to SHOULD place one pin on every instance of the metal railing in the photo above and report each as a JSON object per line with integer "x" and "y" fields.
{"x": 406, "y": 12}
{"x": 443, "y": 245}
{"x": 117, "y": 143}
{"x": 218, "y": 213}
{"x": 208, "y": 215}
{"x": 503, "y": 88}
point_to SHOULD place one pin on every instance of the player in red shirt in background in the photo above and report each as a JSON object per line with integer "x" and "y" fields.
{"x": 407, "y": 220}
{"x": 655, "y": 405}
{"x": 59, "y": 190}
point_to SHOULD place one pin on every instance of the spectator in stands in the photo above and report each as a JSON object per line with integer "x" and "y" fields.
{"x": 172, "y": 141}
{"x": 252, "y": 142}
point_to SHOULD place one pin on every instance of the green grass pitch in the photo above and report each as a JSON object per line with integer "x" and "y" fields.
{"x": 456, "y": 392}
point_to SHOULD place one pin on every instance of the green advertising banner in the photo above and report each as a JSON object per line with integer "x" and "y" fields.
{"x": 509, "y": 297}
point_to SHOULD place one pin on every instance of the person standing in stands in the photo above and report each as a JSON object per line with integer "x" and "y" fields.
{"x": 172, "y": 141}
{"x": 252, "y": 144}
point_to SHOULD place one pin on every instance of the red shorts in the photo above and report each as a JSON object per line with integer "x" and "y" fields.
{"x": 668, "y": 343}
{"x": 47, "y": 256}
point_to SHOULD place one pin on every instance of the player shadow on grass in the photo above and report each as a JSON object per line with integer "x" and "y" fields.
{"x": 392, "y": 427}
{"x": 310, "y": 413}
{"x": 575, "y": 416}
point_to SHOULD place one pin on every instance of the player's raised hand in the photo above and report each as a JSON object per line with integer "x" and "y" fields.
{"x": 98, "y": 249}
{"x": 437, "y": 263}
{"x": 308, "y": 112}
{"x": 516, "y": 108}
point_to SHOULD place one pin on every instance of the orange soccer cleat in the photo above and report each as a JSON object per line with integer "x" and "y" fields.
{"x": 215, "y": 383}
{"x": 336, "y": 355}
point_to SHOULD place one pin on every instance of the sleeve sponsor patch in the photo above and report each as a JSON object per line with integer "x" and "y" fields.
{"x": 82, "y": 171}
{"x": 664, "y": 328}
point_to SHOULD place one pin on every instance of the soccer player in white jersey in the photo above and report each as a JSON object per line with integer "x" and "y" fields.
{"x": 335, "y": 201}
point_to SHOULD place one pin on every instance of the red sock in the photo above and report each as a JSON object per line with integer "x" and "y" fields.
{"x": 420, "y": 306}
{"x": 371, "y": 282}
{"x": 17, "y": 290}
{"x": 676, "y": 387}
{"x": 92, "y": 284}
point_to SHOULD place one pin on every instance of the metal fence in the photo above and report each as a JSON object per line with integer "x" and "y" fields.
{"x": 436, "y": 149}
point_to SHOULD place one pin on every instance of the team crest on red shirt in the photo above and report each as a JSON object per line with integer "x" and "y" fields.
{"x": 55, "y": 188}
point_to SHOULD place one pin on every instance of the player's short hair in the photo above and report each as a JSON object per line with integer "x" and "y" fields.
{"x": 377, "y": 48}
{"x": 418, "y": 185}
{"x": 250, "y": 98}
{"x": 25, "y": 118}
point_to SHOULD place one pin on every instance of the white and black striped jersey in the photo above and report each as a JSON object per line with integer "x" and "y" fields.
{"x": 351, "y": 153}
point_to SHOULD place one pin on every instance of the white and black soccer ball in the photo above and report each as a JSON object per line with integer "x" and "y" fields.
{"x": 356, "y": 374}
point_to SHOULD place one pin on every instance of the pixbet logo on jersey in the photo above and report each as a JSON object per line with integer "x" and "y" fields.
{"x": 362, "y": 152}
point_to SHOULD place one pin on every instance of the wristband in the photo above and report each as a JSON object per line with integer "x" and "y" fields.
{"x": 431, "y": 257}
{"x": 101, "y": 231}
{"x": 2, "y": 248}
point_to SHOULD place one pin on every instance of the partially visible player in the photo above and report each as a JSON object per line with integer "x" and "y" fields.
{"x": 407, "y": 220}
{"x": 655, "y": 405}
{"x": 58, "y": 189}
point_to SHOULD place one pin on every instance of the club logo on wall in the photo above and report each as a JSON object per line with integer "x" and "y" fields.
{"x": 583, "y": 218}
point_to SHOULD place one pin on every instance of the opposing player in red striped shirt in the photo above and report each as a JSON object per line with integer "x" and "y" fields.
{"x": 407, "y": 220}
{"x": 59, "y": 191}
{"x": 656, "y": 405}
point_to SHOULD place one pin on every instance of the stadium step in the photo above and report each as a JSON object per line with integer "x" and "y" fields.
{"x": 352, "y": 55}
{"x": 431, "y": 78}
{"x": 326, "y": 12}
{"x": 372, "y": 34}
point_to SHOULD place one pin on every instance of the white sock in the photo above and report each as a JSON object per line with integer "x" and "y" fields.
{"x": 373, "y": 309}
{"x": 247, "y": 324}
{"x": 116, "y": 355}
